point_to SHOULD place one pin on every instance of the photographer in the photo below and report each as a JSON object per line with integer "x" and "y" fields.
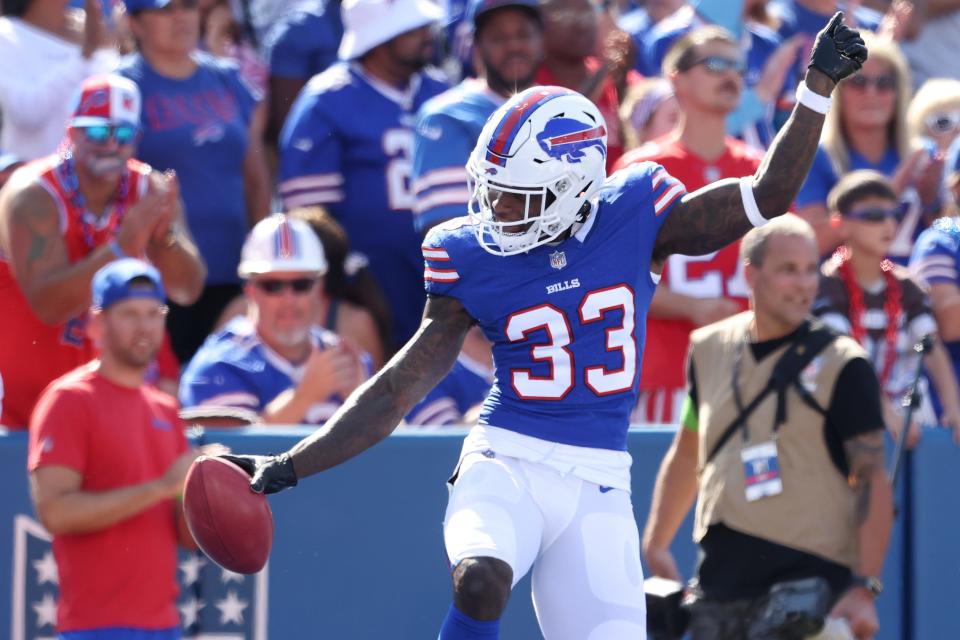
{"x": 785, "y": 452}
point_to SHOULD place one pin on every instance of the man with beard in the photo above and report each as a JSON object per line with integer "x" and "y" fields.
{"x": 507, "y": 49}
{"x": 65, "y": 216}
{"x": 107, "y": 460}
{"x": 348, "y": 143}
{"x": 277, "y": 361}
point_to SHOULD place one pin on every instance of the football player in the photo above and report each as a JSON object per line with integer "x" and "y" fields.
{"x": 553, "y": 263}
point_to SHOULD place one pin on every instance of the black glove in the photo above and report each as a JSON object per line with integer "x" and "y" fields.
{"x": 839, "y": 50}
{"x": 268, "y": 474}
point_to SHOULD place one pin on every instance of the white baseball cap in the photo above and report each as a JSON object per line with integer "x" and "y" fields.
{"x": 106, "y": 99}
{"x": 369, "y": 23}
{"x": 279, "y": 243}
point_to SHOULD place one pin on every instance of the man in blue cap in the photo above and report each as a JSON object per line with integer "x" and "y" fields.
{"x": 107, "y": 460}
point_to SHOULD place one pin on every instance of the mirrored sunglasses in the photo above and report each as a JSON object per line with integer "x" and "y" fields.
{"x": 274, "y": 287}
{"x": 875, "y": 214}
{"x": 122, "y": 134}
{"x": 942, "y": 122}
{"x": 720, "y": 64}
{"x": 882, "y": 83}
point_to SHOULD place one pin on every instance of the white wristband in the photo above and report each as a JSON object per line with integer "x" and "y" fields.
{"x": 812, "y": 100}
{"x": 750, "y": 203}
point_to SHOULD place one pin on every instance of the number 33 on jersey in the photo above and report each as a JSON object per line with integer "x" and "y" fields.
{"x": 566, "y": 321}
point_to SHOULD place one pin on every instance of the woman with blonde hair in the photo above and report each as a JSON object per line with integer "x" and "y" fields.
{"x": 866, "y": 128}
{"x": 934, "y": 112}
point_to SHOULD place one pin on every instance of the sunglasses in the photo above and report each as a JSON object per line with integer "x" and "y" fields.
{"x": 882, "y": 83}
{"x": 275, "y": 287}
{"x": 719, "y": 64}
{"x": 875, "y": 214}
{"x": 101, "y": 133}
{"x": 943, "y": 122}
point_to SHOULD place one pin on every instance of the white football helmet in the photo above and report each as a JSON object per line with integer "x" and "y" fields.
{"x": 546, "y": 145}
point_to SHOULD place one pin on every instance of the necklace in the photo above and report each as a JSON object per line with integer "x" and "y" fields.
{"x": 891, "y": 307}
{"x": 69, "y": 179}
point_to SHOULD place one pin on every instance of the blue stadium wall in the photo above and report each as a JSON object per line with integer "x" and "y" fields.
{"x": 358, "y": 551}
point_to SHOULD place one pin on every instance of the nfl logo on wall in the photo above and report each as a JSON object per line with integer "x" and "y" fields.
{"x": 558, "y": 259}
{"x": 214, "y": 604}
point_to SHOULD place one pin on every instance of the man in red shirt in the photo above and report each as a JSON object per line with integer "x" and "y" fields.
{"x": 63, "y": 217}
{"x": 107, "y": 458}
{"x": 706, "y": 70}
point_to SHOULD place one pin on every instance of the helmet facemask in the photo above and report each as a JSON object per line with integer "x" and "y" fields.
{"x": 552, "y": 162}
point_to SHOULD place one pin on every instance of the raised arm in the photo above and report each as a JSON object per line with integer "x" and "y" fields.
{"x": 716, "y": 215}
{"x": 374, "y": 410}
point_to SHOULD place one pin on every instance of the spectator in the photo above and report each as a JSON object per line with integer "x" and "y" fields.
{"x": 67, "y": 215}
{"x": 9, "y": 162}
{"x": 807, "y": 17}
{"x": 360, "y": 167}
{"x": 43, "y": 61}
{"x": 649, "y": 111}
{"x": 934, "y": 114}
{"x": 705, "y": 68}
{"x": 867, "y": 129}
{"x": 302, "y": 43}
{"x": 768, "y": 63}
{"x": 277, "y": 361}
{"x": 458, "y": 395}
{"x": 351, "y": 303}
{"x": 202, "y": 120}
{"x": 107, "y": 461}
{"x": 569, "y": 42}
{"x": 508, "y": 46}
{"x": 935, "y": 263}
{"x": 779, "y": 500}
{"x": 879, "y": 305}
{"x": 222, "y": 36}
{"x": 640, "y": 20}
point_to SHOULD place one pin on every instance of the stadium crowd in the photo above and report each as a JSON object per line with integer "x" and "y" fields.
{"x": 359, "y": 119}
{"x": 279, "y": 164}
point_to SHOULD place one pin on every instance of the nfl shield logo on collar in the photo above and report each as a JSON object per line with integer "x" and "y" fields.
{"x": 558, "y": 259}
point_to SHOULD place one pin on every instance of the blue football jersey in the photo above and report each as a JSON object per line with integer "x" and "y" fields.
{"x": 567, "y": 321}
{"x": 347, "y": 144}
{"x": 464, "y": 387}
{"x": 234, "y": 368}
{"x": 448, "y": 127}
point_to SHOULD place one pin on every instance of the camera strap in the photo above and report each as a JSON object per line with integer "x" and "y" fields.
{"x": 812, "y": 338}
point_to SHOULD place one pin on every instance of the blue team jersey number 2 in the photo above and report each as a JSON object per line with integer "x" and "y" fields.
{"x": 398, "y": 146}
{"x": 557, "y": 351}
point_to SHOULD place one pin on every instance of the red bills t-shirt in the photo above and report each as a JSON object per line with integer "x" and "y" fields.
{"x": 710, "y": 276}
{"x": 114, "y": 436}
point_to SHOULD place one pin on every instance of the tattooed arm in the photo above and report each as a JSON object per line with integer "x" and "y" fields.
{"x": 374, "y": 410}
{"x": 713, "y": 217}
{"x": 31, "y": 238}
{"x": 874, "y": 515}
{"x": 874, "y": 503}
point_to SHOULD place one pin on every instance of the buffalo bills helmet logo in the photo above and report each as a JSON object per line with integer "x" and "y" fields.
{"x": 566, "y": 138}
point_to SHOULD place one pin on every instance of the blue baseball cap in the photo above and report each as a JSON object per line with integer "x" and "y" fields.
{"x": 113, "y": 283}
{"x": 479, "y": 8}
